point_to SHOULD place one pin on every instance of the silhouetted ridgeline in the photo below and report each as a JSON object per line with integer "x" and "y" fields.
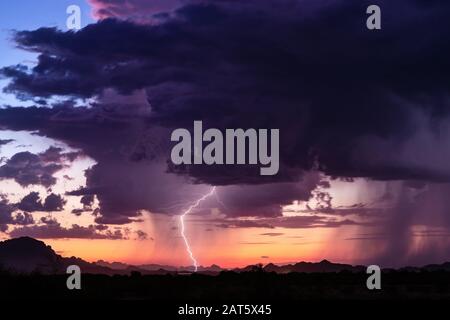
{"x": 30, "y": 269}
{"x": 28, "y": 255}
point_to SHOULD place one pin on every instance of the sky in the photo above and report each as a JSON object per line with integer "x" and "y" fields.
{"x": 86, "y": 118}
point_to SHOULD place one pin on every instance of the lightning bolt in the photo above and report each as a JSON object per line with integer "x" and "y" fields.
{"x": 183, "y": 228}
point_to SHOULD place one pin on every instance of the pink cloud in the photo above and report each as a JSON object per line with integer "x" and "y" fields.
{"x": 136, "y": 10}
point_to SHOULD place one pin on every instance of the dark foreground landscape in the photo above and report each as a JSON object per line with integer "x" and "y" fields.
{"x": 29, "y": 269}
{"x": 231, "y": 286}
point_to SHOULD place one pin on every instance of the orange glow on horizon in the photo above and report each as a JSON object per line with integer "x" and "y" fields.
{"x": 226, "y": 248}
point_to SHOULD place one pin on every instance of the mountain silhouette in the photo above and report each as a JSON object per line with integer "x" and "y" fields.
{"x": 310, "y": 267}
{"x": 28, "y": 255}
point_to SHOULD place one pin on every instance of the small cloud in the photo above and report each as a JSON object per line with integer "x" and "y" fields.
{"x": 272, "y": 234}
{"x": 141, "y": 235}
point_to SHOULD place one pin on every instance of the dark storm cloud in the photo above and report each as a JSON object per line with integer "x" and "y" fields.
{"x": 294, "y": 222}
{"x": 50, "y": 228}
{"x": 243, "y": 224}
{"x": 110, "y": 134}
{"x": 264, "y": 199}
{"x": 3, "y": 142}
{"x": 141, "y": 235}
{"x": 352, "y": 102}
{"x": 23, "y": 218}
{"x": 49, "y": 220}
{"x": 55, "y": 154}
{"x": 313, "y": 221}
{"x": 32, "y": 202}
{"x": 113, "y": 218}
{"x": 77, "y": 212}
{"x": 335, "y": 89}
{"x": 7, "y": 217}
{"x": 54, "y": 202}
{"x": 27, "y": 168}
{"x": 6, "y": 210}
{"x": 87, "y": 200}
{"x": 359, "y": 209}
{"x": 56, "y": 231}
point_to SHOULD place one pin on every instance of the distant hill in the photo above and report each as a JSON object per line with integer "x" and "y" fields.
{"x": 438, "y": 267}
{"x": 28, "y": 255}
{"x": 157, "y": 267}
{"x": 310, "y": 267}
